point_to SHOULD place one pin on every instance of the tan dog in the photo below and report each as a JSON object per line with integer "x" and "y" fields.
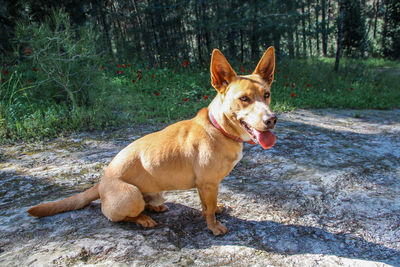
{"x": 198, "y": 152}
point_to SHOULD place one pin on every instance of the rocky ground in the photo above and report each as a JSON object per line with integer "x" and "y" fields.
{"x": 327, "y": 194}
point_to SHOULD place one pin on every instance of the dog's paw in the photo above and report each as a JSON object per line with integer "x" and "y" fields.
{"x": 143, "y": 220}
{"x": 218, "y": 229}
{"x": 160, "y": 208}
{"x": 146, "y": 222}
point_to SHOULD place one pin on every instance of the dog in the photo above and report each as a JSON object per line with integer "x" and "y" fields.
{"x": 195, "y": 153}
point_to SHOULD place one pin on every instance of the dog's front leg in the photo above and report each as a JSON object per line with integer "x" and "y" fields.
{"x": 208, "y": 195}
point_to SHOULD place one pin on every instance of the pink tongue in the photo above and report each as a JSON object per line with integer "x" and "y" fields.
{"x": 266, "y": 139}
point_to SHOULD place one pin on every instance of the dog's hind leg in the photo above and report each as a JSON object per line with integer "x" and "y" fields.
{"x": 121, "y": 201}
{"x": 154, "y": 202}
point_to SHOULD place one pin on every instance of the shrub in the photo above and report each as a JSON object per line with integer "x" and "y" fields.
{"x": 64, "y": 57}
{"x": 51, "y": 83}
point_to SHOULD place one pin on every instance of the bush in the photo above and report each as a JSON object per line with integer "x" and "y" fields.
{"x": 52, "y": 81}
{"x": 64, "y": 57}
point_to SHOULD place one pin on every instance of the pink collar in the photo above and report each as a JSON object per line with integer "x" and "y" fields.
{"x": 235, "y": 138}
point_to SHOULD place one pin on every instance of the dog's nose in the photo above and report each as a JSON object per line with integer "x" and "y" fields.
{"x": 269, "y": 121}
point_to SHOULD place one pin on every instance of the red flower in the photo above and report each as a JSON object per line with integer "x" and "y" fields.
{"x": 140, "y": 71}
{"x": 140, "y": 77}
{"x": 129, "y": 65}
{"x": 278, "y": 70}
{"x": 133, "y": 80}
{"x": 153, "y": 76}
{"x": 377, "y": 84}
{"x": 308, "y": 85}
{"x": 292, "y": 94}
{"x": 186, "y": 99}
{"x": 205, "y": 97}
{"x": 351, "y": 88}
{"x": 119, "y": 72}
{"x": 185, "y": 63}
{"x": 287, "y": 84}
{"x": 118, "y": 65}
{"x": 293, "y": 85}
{"x": 3, "y": 80}
{"x": 123, "y": 65}
{"x": 34, "y": 69}
{"x": 5, "y": 72}
{"x": 285, "y": 77}
{"x": 27, "y": 51}
{"x": 156, "y": 65}
{"x": 148, "y": 68}
{"x": 157, "y": 93}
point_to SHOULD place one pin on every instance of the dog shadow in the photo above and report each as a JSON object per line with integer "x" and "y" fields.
{"x": 189, "y": 230}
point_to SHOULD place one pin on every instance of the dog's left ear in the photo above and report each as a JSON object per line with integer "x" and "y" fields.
{"x": 221, "y": 71}
{"x": 266, "y": 66}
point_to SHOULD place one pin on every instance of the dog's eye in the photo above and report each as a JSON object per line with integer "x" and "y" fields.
{"x": 267, "y": 95}
{"x": 245, "y": 99}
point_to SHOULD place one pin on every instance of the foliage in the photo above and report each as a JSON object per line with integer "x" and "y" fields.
{"x": 354, "y": 28}
{"x": 52, "y": 81}
{"x": 164, "y": 31}
{"x": 139, "y": 93}
{"x": 65, "y": 57}
{"x": 391, "y": 29}
{"x": 103, "y": 64}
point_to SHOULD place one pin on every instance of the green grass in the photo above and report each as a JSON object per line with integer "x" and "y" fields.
{"x": 143, "y": 94}
{"x": 358, "y": 85}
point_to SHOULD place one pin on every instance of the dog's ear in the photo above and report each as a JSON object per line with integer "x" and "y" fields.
{"x": 221, "y": 72}
{"x": 266, "y": 66}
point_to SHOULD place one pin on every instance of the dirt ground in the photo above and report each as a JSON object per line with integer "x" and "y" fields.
{"x": 327, "y": 194}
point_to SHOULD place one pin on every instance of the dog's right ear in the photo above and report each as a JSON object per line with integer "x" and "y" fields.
{"x": 221, "y": 71}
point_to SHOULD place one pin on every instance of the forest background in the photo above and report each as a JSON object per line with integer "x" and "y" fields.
{"x": 74, "y": 65}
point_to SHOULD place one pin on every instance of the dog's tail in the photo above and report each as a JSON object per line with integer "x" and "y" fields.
{"x": 74, "y": 202}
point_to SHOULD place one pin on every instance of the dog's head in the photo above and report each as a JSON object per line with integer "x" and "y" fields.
{"x": 245, "y": 100}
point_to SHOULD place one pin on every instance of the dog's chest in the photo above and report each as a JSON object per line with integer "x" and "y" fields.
{"x": 238, "y": 157}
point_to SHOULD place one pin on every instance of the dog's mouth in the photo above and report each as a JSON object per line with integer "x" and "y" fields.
{"x": 265, "y": 138}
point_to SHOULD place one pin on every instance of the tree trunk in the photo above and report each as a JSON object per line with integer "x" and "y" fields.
{"x": 206, "y": 30}
{"x": 106, "y": 27}
{"x": 291, "y": 44}
{"x": 309, "y": 27}
{"x": 254, "y": 36}
{"x": 328, "y": 23}
{"x": 376, "y": 17}
{"x": 303, "y": 22}
{"x": 385, "y": 25}
{"x": 324, "y": 31}
{"x": 297, "y": 43}
{"x": 317, "y": 26}
{"x": 241, "y": 46}
{"x": 339, "y": 37}
{"x": 198, "y": 31}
